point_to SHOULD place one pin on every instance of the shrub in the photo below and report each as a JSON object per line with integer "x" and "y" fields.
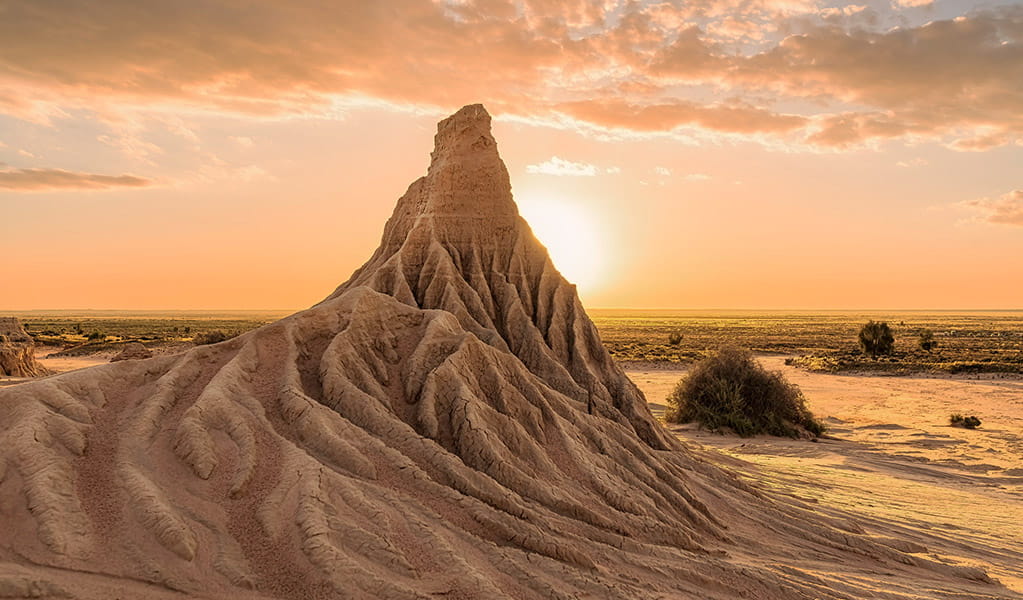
{"x": 96, "y": 335}
{"x": 927, "y": 341}
{"x": 212, "y": 337}
{"x": 731, "y": 389}
{"x": 876, "y": 338}
{"x": 970, "y": 422}
{"x": 675, "y": 338}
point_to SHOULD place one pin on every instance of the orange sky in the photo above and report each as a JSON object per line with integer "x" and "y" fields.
{"x": 711, "y": 154}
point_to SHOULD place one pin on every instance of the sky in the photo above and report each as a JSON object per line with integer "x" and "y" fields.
{"x": 774, "y": 154}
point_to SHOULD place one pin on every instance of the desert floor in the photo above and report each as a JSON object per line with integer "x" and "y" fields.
{"x": 60, "y": 364}
{"x": 892, "y": 462}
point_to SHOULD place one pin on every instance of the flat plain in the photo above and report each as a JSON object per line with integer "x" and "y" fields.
{"x": 968, "y": 342}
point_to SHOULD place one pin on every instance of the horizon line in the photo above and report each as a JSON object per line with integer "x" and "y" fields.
{"x": 603, "y": 308}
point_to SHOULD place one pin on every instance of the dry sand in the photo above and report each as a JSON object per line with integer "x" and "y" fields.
{"x": 893, "y": 463}
{"x": 63, "y": 364}
{"x": 44, "y": 356}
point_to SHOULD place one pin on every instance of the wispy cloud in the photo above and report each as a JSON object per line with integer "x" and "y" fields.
{"x": 39, "y": 180}
{"x": 913, "y": 162}
{"x": 662, "y": 171}
{"x": 561, "y": 167}
{"x": 697, "y": 177}
{"x": 1006, "y": 209}
{"x": 957, "y": 80}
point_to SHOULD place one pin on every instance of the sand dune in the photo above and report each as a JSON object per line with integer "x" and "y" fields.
{"x": 445, "y": 424}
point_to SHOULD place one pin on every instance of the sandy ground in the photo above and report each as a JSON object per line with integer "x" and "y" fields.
{"x": 60, "y": 364}
{"x": 892, "y": 461}
{"x": 890, "y": 464}
{"x": 63, "y": 364}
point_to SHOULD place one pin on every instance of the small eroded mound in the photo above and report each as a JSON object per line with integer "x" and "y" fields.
{"x": 445, "y": 424}
{"x": 17, "y": 351}
{"x": 132, "y": 351}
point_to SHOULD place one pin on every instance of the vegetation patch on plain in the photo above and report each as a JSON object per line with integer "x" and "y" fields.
{"x": 824, "y": 341}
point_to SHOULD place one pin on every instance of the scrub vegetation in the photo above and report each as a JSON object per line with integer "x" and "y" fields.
{"x": 826, "y": 341}
{"x": 730, "y": 390}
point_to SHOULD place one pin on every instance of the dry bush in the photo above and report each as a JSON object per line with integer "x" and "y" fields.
{"x": 212, "y": 337}
{"x": 731, "y": 389}
{"x": 876, "y": 338}
{"x": 927, "y": 341}
{"x": 970, "y": 422}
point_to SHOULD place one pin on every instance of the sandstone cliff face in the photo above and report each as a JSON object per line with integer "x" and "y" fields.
{"x": 17, "y": 351}
{"x": 445, "y": 424}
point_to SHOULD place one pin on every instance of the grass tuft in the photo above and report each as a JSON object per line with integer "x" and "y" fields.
{"x": 958, "y": 420}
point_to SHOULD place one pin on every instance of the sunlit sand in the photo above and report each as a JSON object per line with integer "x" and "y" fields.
{"x": 893, "y": 463}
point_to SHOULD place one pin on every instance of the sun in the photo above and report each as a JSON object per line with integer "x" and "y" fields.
{"x": 572, "y": 237}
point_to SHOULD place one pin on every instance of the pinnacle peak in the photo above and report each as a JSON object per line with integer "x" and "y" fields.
{"x": 466, "y": 175}
{"x": 470, "y": 113}
{"x": 465, "y": 133}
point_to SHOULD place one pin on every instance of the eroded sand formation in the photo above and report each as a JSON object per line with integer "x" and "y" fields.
{"x": 445, "y": 424}
{"x": 17, "y": 351}
{"x": 132, "y": 351}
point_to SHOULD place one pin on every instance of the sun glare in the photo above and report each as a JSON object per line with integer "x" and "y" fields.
{"x": 572, "y": 237}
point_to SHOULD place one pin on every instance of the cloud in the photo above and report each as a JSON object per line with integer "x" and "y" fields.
{"x": 985, "y": 141}
{"x": 844, "y": 11}
{"x": 613, "y": 170}
{"x": 670, "y": 115}
{"x": 954, "y": 79}
{"x": 662, "y": 171}
{"x": 562, "y": 167}
{"x": 697, "y": 177}
{"x": 913, "y": 162}
{"x": 771, "y": 70}
{"x": 1006, "y": 209}
{"x": 40, "y": 180}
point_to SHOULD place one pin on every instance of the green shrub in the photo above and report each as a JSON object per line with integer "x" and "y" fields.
{"x": 730, "y": 389}
{"x": 212, "y": 337}
{"x": 927, "y": 341}
{"x": 876, "y": 338}
{"x": 675, "y": 338}
{"x": 96, "y": 335}
{"x": 970, "y": 422}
